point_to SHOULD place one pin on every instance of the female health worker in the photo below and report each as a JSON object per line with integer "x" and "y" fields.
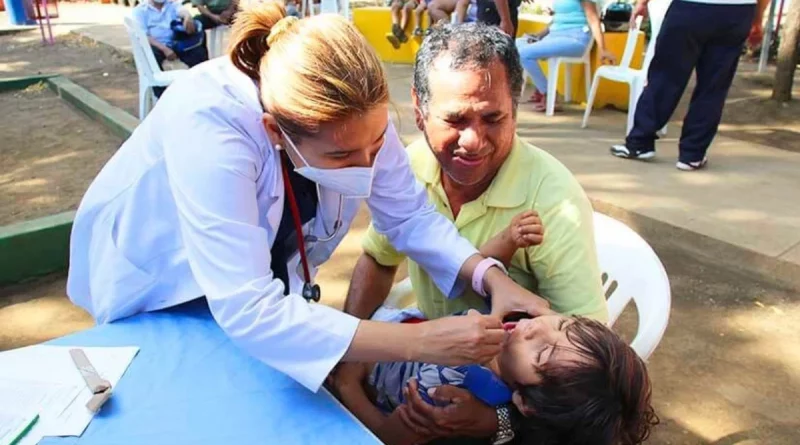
{"x": 207, "y": 195}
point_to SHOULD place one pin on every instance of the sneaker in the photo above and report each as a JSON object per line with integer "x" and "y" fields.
{"x": 393, "y": 40}
{"x": 692, "y": 166}
{"x": 399, "y": 33}
{"x": 621, "y": 151}
{"x": 417, "y": 32}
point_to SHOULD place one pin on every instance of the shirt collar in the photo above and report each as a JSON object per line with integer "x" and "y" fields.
{"x": 509, "y": 188}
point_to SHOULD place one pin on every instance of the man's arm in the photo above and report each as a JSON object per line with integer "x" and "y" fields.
{"x": 207, "y": 12}
{"x": 504, "y": 11}
{"x": 369, "y": 286}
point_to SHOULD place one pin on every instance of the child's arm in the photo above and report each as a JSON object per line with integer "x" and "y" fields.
{"x": 525, "y": 230}
{"x": 349, "y": 383}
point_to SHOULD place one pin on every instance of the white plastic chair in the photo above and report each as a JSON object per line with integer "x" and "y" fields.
{"x": 150, "y": 74}
{"x": 620, "y": 73}
{"x": 624, "y": 73}
{"x": 553, "y": 68}
{"x": 216, "y": 40}
{"x": 631, "y": 271}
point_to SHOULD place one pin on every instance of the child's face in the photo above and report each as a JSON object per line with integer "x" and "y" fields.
{"x": 534, "y": 343}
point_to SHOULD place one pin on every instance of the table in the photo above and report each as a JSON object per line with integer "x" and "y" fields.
{"x": 190, "y": 385}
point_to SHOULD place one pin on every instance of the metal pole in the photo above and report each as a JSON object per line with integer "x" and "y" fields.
{"x": 766, "y": 42}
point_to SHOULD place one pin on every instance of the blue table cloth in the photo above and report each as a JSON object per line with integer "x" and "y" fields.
{"x": 190, "y": 385}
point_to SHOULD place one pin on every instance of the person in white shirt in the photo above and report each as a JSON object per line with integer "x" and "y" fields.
{"x": 245, "y": 177}
{"x": 706, "y": 36}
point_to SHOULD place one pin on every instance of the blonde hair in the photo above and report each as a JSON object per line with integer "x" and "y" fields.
{"x": 311, "y": 71}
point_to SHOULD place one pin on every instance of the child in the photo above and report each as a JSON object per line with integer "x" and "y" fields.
{"x": 418, "y": 12}
{"x": 400, "y": 11}
{"x": 571, "y": 380}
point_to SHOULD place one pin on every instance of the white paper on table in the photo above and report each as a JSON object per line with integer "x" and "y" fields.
{"x": 12, "y": 425}
{"x": 46, "y": 375}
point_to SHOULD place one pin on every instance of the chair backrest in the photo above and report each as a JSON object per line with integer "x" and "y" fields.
{"x": 656, "y": 10}
{"x": 143, "y": 57}
{"x": 632, "y": 271}
{"x": 335, "y": 7}
{"x": 630, "y": 43}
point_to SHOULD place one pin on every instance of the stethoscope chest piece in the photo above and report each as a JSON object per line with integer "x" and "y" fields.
{"x": 311, "y": 292}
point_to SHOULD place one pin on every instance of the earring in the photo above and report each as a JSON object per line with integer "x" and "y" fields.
{"x": 278, "y": 147}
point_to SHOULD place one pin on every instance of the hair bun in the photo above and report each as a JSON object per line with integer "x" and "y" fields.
{"x": 280, "y": 28}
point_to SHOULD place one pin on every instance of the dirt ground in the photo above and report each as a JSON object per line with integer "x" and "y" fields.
{"x": 50, "y": 154}
{"x": 95, "y": 67}
{"x": 727, "y": 371}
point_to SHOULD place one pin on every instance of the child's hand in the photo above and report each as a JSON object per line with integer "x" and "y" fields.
{"x": 526, "y": 229}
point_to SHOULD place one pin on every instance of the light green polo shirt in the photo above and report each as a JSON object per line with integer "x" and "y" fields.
{"x": 563, "y": 269}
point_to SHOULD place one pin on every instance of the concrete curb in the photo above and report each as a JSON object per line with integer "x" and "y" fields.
{"x": 36, "y": 247}
{"x": 41, "y": 246}
{"x": 663, "y": 236}
{"x": 118, "y": 121}
{"x": 20, "y": 83}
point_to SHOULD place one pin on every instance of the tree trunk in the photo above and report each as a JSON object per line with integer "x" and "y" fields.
{"x": 787, "y": 55}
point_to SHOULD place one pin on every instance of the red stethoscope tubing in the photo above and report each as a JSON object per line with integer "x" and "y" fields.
{"x": 298, "y": 225}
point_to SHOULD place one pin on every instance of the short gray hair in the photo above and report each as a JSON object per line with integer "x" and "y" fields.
{"x": 472, "y": 45}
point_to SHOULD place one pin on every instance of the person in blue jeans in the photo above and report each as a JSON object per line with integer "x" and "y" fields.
{"x": 705, "y": 36}
{"x": 575, "y": 23}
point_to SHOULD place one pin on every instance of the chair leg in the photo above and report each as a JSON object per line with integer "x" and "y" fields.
{"x": 590, "y": 101}
{"x": 552, "y": 85}
{"x": 567, "y": 83}
{"x": 587, "y": 76}
{"x": 633, "y": 100}
{"x": 144, "y": 92}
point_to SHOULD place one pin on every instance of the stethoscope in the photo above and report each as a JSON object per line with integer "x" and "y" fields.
{"x": 311, "y": 291}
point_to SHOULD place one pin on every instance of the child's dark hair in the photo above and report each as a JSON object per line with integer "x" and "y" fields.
{"x": 602, "y": 400}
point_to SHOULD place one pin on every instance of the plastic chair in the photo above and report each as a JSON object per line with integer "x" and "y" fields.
{"x": 554, "y": 66}
{"x": 150, "y": 74}
{"x": 636, "y": 79}
{"x": 630, "y": 269}
{"x": 216, "y": 40}
{"x": 620, "y": 73}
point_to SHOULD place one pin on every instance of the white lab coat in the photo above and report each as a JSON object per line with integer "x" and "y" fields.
{"x": 190, "y": 204}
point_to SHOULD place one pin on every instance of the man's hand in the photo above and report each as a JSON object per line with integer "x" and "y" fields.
{"x": 188, "y": 23}
{"x": 508, "y": 296}
{"x": 507, "y": 27}
{"x": 473, "y": 338}
{"x": 226, "y": 16}
{"x": 639, "y": 10}
{"x": 169, "y": 53}
{"x": 607, "y": 57}
{"x": 756, "y": 34}
{"x": 461, "y": 414}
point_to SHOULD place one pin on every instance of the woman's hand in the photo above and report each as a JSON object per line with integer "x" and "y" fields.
{"x": 607, "y": 57}
{"x": 639, "y": 10}
{"x": 462, "y": 414}
{"x": 508, "y": 296}
{"x": 455, "y": 341}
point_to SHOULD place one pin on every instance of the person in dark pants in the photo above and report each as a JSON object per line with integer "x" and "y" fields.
{"x": 502, "y": 13}
{"x": 214, "y": 13}
{"x": 704, "y": 36}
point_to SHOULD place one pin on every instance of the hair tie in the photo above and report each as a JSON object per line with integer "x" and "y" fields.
{"x": 280, "y": 27}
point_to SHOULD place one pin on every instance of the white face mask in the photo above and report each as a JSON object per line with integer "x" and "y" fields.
{"x": 159, "y": 2}
{"x": 350, "y": 182}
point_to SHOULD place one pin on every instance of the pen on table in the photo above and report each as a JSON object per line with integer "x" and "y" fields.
{"x": 25, "y": 431}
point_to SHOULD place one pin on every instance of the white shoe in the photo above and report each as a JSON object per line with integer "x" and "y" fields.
{"x": 692, "y": 166}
